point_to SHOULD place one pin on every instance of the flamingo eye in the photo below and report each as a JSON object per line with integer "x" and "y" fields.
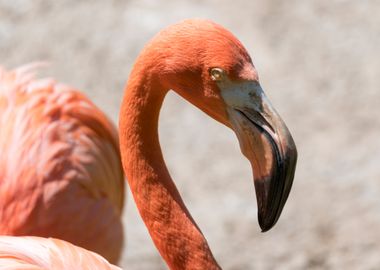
{"x": 217, "y": 74}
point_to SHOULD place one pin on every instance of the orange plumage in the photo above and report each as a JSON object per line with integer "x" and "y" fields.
{"x": 209, "y": 67}
{"x": 60, "y": 170}
{"x": 37, "y": 253}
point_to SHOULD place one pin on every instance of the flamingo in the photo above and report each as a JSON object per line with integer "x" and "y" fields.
{"x": 37, "y": 253}
{"x": 205, "y": 64}
{"x": 60, "y": 169}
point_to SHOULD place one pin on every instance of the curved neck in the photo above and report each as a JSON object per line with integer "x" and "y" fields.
{"x": 174, "y": 232}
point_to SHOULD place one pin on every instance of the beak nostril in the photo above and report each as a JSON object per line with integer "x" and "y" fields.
{"x": 258, "y": 118}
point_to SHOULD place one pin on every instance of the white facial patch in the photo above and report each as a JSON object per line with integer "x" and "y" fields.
{"x": 247, "y": 96}
{"x": 241, "y": 94}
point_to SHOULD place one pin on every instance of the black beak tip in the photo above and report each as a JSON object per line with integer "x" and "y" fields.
{"x": 265, "y": 226}
{"x": 263, "y": 230}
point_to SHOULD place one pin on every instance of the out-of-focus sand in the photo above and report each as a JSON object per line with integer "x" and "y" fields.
{"x": 318, "y": 61}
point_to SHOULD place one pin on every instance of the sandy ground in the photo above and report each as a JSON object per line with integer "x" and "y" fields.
{"x": 319, "y": 64}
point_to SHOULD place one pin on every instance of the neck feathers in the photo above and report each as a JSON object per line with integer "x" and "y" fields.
{"x": 170, "y": 225}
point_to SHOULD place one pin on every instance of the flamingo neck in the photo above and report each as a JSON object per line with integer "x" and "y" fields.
{"x": 174, "y": 232}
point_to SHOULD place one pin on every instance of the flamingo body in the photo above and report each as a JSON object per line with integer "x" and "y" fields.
{"x": 60, "y": 170}
{"x": 37, "y": 253}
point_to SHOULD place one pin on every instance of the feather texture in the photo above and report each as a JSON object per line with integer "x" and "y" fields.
{"x": 37, "y": 253}
{"x": 60, "y": 170}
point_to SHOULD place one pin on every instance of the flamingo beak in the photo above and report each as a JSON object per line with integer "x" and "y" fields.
{"x": 267, "y": 143}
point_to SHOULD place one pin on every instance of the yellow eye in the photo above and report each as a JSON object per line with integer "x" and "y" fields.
{"x": 217, "y": 74}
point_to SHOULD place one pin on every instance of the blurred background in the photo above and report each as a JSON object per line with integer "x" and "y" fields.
{"x": 318, "y": 62}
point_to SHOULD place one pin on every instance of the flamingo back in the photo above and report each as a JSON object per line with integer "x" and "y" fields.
{"x": 60, "y": 169}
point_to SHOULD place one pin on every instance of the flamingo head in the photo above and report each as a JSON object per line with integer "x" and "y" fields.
{"x": 209, "y": 67}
